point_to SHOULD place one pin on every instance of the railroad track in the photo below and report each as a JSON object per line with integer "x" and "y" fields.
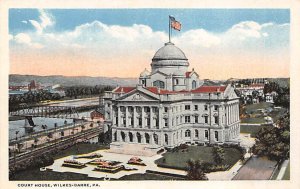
{"x": 88, "y": 134}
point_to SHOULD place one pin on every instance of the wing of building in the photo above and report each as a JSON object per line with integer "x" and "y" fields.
{"x": 170, "y": 106}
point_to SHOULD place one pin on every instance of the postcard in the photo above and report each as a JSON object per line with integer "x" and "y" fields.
{"x": 110, "y": 95}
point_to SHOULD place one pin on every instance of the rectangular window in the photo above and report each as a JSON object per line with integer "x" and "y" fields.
{"x": 187, "y": 119}
{"x": 166, "y": 122}
{"x": 166, "y": 109}
{"x": 140, "y": 121}
{"x": 148, "y": 121}
{"x": 187, "y": 107}
{"x": 196, "y": 107}
{"x": 124, "y": 121}
{"x": 206, "y": 119}
{"x": 216, "y": 136}
{"x": 216, "y": 107}
{"x": 157, "y": 122}
{"x": 205, "y": 107}
{"x": 131, "y": 120}
{"x": 216, "y": 119}
{"x": 196, "y": 119}
{"x": 206, "y": 134}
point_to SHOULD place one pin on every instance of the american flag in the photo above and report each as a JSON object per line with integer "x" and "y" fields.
{"x": 175, "y": 24}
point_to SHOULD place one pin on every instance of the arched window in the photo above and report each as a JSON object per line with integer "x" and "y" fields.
{"x": 130, "y": 137}
{"x": 166, "y": 138}
{"x": 159, "y": 84}
{"x": 194, "y": 84}
{"x": 139, "y": 137}
{"x": 123, "y": 136}
{"x": 196, "y": 133}
{"x": 147, "y": 136}
{"x": 188, "y": 133}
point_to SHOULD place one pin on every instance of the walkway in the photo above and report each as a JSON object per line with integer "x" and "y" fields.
{"x": 149, "y": 161}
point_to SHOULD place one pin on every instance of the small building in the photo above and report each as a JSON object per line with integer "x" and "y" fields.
{"x": 97, "y": 115}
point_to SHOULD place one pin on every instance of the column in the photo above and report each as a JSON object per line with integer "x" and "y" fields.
{"x": 112, "y": 115}
{"x": 119, "y": 117}
{"x": 170, "y": 124}
{"x": 151, "y": 138}
{"x": 160, "y": 117}
{"x": 134, "y": 116}
{"x": 151, "y": 118}
{"x": 118, "y": 136}
{"x": 230, "y": 114}
{"x": 143, "y": 138}
{"x": 235, "y": 112}
{"x": 126, "y": 116}
{"x": 143, "y": 117}
{"x": 238, "y": 111}
{"x": 134, "y": 137}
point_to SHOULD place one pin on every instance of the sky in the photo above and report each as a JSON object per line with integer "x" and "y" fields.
{"x": 219, "y": 43}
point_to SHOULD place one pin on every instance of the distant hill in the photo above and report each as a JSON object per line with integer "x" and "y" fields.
{"x": 15, "y": 79}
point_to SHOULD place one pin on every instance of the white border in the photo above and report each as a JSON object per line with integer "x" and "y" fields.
{"x": 293, "y": 5}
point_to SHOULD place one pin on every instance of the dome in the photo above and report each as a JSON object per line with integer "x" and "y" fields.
{"x": 145, "y": 73}
{"x": 169, "y": 52}
{"x": 169, "y": 55}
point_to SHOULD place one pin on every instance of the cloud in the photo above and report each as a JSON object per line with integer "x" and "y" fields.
{"x": 99, "y": 39}
{"x": 25, "y": 40}
{"x": 46, "y": 20}
{"x": 24, "y": 21}
{"x": 22, "y": 38}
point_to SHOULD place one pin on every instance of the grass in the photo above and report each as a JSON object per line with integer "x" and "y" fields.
{"x": 258, "y": 117}
{"x": 37, "y": 175}
{"x": 148, "y": 176}
{"x": 77, "y": 149}
{"x": 254, "y": 107}
{"x": 203, "y": 153}
{"x": 253, "y": 120}
{"x": 286, "y": 175}
{"x": 252, "y": 130}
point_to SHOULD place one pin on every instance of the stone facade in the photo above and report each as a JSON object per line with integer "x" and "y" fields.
{"x": 170, "y": 107}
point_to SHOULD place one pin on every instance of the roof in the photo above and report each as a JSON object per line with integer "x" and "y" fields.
{"x": 169, "y": 52}
{"x": 123, "y": 89}
{"x": 209, "y": 89}
{"x": 155, "y": 90}
{"x": 188, "y": 74}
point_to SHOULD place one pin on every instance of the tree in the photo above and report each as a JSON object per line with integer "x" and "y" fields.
{"x": 218, "y": 154}
{"x": 274, "y": 142}
{"x": 195, "y": 170}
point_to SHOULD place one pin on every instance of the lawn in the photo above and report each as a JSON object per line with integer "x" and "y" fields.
{"x": 82, "y": 148}
{"x": 148, "y": 176}
{"x": 178, "y": 159}
{"x": 253, "y": 107}
{"x": 37, "y": 175}
{"x": 255, "y": 116}
{"x": 252, "y": 130}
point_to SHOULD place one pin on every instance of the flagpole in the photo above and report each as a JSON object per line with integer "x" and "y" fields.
{"x": 169, "y": 30}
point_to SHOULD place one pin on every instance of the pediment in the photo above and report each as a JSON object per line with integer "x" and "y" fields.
{"x": 159, "y": 73}
{"x": 232, "y": 94}
{"x": 138, "y": 95}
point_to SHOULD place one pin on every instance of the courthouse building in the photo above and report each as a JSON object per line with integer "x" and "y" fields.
{"x": 170, "y": 106}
